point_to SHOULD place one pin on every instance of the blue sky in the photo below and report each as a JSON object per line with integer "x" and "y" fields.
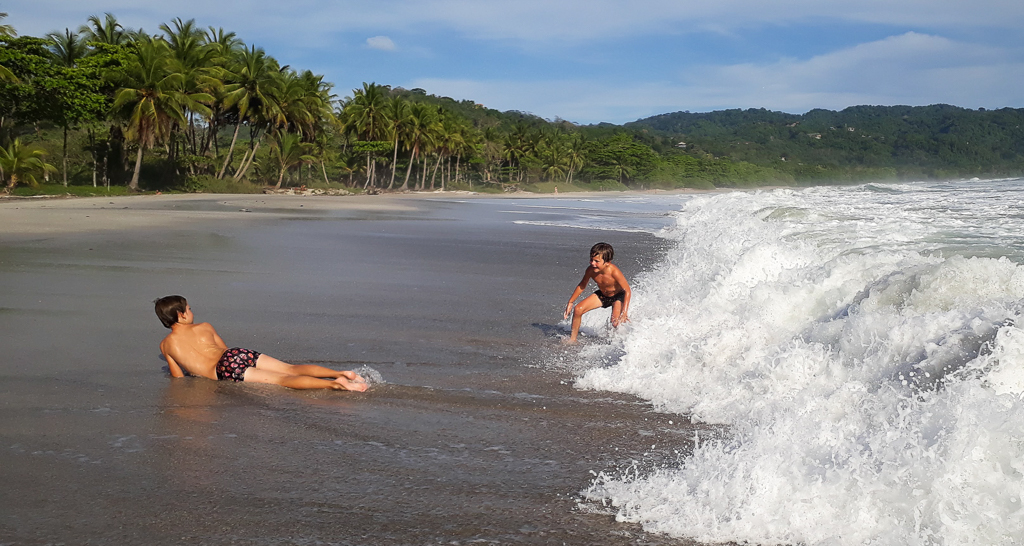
{"x": 590, "y": 61}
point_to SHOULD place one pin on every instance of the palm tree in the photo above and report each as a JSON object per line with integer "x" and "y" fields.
{"x": 149, "y": 100}
{"x": 303, "y": 102}
{"x": 194, "y": 59}
{"x": 7, "y": 31}
{"x": 350, "y": 164}
{"x": 321, "y": 150}
{"x": 621, "y": 169}
{"x": 422, "y": 118}
{"x": 68, "y": 48}
{"x": 575, "y": 154}
{"x": 520, "y": 143}
{"x": 6, "y": 75}
{"x": 397, "y": 114}
{"x": 288, "y": 150}
{"x": 223, "y": 42}
{"x": 554, "y": 158}
{"x": 107, "y": 31}
{"x": 251, "y": 80}
{"x": 366, "y": 113}
{"x": 492, "y": 151}
{"x": 226, "y": 47}
{"x": 18, "y": 163}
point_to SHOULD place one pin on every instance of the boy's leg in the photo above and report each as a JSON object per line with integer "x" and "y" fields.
{"x": 257, "y": 375}
{"x": 616, "y": 312}
{"x": 589, "y": 303}
{"x": 348, "y": 380}
{"x": 270, "y": 363}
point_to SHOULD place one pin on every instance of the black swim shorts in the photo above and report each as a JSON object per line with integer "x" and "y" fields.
{"x": 607, "y": 301}
{"x": 234, "y": 362}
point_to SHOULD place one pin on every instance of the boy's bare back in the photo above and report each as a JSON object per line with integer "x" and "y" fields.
{"x": 193, "y": 348}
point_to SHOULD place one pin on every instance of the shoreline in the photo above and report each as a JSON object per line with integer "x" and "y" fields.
{"x": 52, "y": 216}
{"x": 28, "y": 216}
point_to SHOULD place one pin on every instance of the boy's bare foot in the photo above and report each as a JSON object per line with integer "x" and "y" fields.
{"x": 352, "y": 385}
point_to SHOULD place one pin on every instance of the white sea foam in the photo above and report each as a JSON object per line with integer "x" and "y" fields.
{"x": 865, "y": 347}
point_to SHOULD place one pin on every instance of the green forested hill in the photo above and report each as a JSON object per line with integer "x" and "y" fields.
{"x": 861, "y": 141}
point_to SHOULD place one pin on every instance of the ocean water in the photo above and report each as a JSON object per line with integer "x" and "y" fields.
{"x": 863, "y": 347}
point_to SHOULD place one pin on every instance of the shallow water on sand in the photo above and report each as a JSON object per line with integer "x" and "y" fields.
{"x": 453, "y": 303}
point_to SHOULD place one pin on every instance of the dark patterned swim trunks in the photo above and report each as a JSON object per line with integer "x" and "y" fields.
{"x": 234, "y": 362}
{"x": 608, "y": 301}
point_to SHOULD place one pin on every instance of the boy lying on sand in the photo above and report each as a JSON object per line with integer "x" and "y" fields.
{"x": 612, "y": 290}
{"x": 198, "y": 350}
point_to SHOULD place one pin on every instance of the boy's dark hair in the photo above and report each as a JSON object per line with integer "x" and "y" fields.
{"x": 604, "y": 250}
{"x": 167, "y": 309}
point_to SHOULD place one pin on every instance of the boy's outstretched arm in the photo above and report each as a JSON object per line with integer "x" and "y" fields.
{"x": 576, "y": 293}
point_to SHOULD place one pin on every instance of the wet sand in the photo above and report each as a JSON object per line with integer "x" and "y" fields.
{"x": 473, "y": 438}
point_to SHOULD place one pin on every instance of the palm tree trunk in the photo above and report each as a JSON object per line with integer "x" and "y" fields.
{"x": 279, "y": 179}
{"x": 241, "y": 171}
{"x": 434, "y": 174}
{"x": 134, "y": 184}
{"x": 412, "y": 159}
{"x": 245, "y": 158}
{"x": 394, "y": 163}
{"x": 369, "y": 173}
{"x": 231, "y": 150}
{"x": 65, "y": 154}
{"x": 324, "y": 169}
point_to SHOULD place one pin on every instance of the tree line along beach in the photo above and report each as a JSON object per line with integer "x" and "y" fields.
{"x": 195, "y": 109}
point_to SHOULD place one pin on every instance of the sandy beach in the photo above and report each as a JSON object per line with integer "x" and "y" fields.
{"x": 471, "y": 439}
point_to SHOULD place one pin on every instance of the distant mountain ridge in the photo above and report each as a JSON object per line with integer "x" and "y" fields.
{"x": 934, "y": 141}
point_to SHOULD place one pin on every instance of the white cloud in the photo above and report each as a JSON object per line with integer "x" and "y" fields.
{"x": 382, "y": 43}
{"x": 912, "y": 69}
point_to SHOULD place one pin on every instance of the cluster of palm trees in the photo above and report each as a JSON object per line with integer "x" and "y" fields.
{"x": 178, "y": 89}
{"x": 430, "y": 136}
{"x": 184, "y": 86}
{"x": 181, "y": 89}
{"x": 437, "y": 143}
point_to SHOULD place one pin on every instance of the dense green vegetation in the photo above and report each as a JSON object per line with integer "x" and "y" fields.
{"x": 195, "y": 109}
{"x": 861, "y": 142}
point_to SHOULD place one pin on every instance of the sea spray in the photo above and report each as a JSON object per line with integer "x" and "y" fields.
{"x": 863, "y": 344}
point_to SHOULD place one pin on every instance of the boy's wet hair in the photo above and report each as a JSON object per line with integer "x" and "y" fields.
{"x": 167, "y": 309}
{"x": 604, "y": 250}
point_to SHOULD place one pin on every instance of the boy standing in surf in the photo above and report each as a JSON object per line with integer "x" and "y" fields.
{"x": 612, "y": 290}
{"x": 198, "y": 350}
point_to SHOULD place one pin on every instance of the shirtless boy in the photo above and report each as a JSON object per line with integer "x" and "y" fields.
{"x": 612, "y": 290}
{"x": 198, "y": 350}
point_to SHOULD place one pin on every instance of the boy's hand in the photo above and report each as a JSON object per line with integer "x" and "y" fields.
{"x": 568, "y": 310}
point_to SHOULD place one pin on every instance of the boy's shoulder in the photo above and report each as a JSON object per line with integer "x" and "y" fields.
{"x": 611, "y": 268}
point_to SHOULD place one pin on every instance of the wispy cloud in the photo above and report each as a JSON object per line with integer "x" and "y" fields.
{"x": 911, "y": 68}
{"x": 382, "y": 43}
